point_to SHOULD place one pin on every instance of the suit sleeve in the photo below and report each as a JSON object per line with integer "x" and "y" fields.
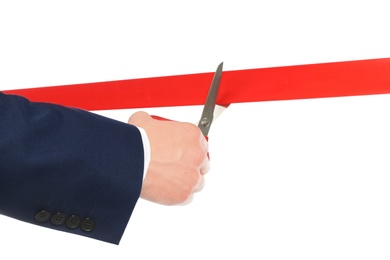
{"x": 68, "y": 169}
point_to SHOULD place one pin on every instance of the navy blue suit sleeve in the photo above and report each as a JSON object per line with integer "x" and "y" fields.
{"x": 68, "y": 169}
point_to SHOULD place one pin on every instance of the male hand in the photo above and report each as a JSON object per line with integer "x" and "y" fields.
{"x": 178, "y": 160}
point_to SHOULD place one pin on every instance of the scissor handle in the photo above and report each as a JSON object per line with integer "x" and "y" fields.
{"x": 160, "y": 118}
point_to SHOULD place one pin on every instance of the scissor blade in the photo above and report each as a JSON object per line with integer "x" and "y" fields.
{"x": 208, "y": 111}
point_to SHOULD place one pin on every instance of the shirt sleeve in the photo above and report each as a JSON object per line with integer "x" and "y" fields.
{"x": 68, "y": 169}
{"x": 146, "y": 146}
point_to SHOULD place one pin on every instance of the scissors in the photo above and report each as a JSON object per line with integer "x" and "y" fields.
{"x": 210, "y": 110}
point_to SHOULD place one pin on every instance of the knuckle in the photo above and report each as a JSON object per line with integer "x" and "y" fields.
{"x": 193, "y": 130}
{"x": 193, "y": 179}
{"x": 192, "y": 184}
{"x": 199, "y": 156}
{"x": 187, "y": 200}
{"x": 184, "y": 197}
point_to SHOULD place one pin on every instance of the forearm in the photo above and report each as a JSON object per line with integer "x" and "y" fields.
{"x": 68, "y": 161}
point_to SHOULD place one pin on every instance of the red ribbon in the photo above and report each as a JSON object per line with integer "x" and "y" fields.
{"x": 348, "y": 78}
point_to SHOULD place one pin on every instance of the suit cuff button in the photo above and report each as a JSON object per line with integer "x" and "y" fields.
{"x": 73, "y": 222}
{"x": 87, "y": 224}
{"x": 58, "y": 219}
{"x": 42, "y": 216}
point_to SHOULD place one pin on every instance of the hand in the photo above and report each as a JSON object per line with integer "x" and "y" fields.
{"x": 178, "y": 160}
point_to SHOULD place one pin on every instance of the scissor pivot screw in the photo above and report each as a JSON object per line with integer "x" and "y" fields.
{"x": 205, "y": 122}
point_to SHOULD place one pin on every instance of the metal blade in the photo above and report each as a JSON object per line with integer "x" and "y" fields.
{"x": 208, "y": 111}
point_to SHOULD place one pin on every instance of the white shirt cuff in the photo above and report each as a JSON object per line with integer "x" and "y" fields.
{"x": 146, "y": 143}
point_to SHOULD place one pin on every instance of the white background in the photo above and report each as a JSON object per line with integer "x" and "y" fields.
{"x": 303, "y": 179}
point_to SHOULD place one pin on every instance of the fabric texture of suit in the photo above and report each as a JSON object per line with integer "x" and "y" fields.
{"x": 68, "y": 169}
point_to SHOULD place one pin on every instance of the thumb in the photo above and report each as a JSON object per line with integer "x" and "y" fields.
{"x": 139, "y": 118}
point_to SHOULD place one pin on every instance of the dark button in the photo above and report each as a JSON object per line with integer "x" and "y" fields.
{"x": 42, "y": 216}
{"x": 58, "y": 219}
{"x": 87, "y": 224}
{"x": 73, "y": 221}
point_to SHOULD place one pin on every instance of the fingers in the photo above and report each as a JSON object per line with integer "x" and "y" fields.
{"x": 179, "y": 160}
{"x": 200, "y": 184}
{"x": 205, "y": 166}
{"x": 188, "y": 201}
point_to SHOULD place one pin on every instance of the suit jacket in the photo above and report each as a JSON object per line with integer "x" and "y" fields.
{"x": 68, "y": 169}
